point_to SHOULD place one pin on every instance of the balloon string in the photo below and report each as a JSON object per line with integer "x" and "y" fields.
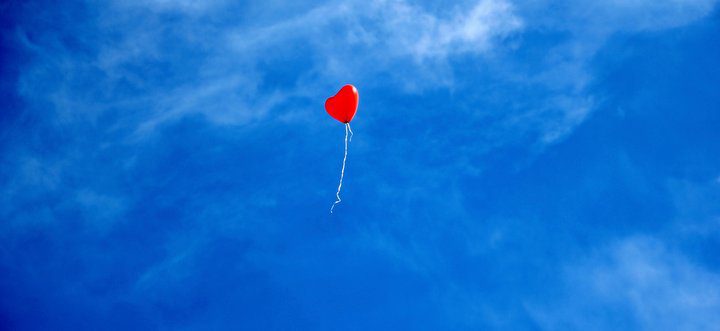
{"x": 342, "y": 172}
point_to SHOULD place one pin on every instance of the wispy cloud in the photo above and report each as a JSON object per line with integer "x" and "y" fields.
{"x": 340, "y": 42}
{"x": 225, "y": 81}
{"x": 643, "y": 283}
{"x": 169, "y": 150}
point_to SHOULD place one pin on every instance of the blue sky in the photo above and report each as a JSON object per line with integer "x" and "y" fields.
{"x": 539, "y": 165}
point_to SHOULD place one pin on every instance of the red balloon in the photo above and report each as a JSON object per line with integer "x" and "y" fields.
{"x": 343, "y": 105}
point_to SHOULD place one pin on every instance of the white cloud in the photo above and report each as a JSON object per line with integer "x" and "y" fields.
{"x": 414, "y": 32}
{"x": 404, "y": 42}
{"x": 638, "y": 15}
{"x": 642, "y": 283}
{"x": 566, "y": 72}
{"x": 379, "y": 43}
{"x": 225, "y": 81}
{"x": 191, "y": 7}
{"x": 389, "y": 27}
{"x": 359, "y": 41}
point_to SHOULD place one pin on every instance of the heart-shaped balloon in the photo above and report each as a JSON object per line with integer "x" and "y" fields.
{"x": 343, "y": 105}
